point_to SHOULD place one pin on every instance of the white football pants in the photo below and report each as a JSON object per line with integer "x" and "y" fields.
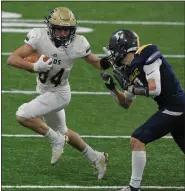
{"x": 51, "y": 106}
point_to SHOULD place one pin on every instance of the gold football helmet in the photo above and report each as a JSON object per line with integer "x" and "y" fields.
{"x": 61, "y": 18}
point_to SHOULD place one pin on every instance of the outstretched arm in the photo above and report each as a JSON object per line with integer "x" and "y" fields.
{"x": 100, "y": 63}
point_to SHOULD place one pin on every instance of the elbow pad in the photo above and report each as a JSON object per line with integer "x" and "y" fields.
{"x": 104, "y": 63}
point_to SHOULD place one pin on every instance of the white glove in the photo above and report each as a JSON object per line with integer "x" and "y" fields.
{"x": 41, "y": 66}
{"x": 107, "y": 52}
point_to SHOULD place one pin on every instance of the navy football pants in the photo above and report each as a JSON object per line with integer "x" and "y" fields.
{"x": 159, "y": 125}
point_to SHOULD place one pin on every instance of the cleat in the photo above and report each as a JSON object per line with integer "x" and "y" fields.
{"x": 130, "y": 188}
{"x": 57, "y": 148}
{"x": 101, "y": 164}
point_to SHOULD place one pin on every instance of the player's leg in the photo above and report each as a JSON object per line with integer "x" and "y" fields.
{"x": 178, "y": 132}
{"x": 98, "y": 159}
{"x": 154, "y": 128}
{"x": 35, "y": 124}
{"x": 57, "y": 121}
{"x": 28, "y": 116}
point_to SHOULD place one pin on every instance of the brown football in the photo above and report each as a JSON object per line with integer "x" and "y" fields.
{"x": 35, "y": 57}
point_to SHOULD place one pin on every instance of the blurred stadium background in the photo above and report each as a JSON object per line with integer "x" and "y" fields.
{"x": 26, "y": 158}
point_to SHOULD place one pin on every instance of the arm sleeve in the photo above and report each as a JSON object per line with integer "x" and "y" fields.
{"x": 152, "y": 71}
{"x": 32, "y": 38}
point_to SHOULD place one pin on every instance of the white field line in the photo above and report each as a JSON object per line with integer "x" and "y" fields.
{"x": 104, "y": 22}
{"x": 101, "y": 55}
{"x": 84, "y": 136}
{"x": 34, "y": 92}
{"x": 91, "y": 187}
{"x": 21, "y": 24}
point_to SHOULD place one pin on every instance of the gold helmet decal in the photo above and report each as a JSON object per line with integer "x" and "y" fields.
{"x": 62, "y": 16}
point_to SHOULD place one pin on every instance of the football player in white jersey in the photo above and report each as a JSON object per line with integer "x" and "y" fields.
{"x": 62, "y": 45}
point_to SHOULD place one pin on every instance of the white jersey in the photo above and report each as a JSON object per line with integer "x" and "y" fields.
{"x": 57, "y": 76}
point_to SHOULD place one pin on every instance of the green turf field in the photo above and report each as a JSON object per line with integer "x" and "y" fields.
{"x": 26, "y": 160}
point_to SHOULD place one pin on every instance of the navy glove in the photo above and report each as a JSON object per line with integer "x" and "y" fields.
{"x": 108, "y": 80}
{"x": 122, "y": 78}
{"x": 105, "y": 63}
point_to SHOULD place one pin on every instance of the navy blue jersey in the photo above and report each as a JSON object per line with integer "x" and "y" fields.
{"x": 172, "y": 96}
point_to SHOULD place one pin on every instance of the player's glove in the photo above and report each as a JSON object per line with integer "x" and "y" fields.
{"x": 106, "y": 62}
{"x": 106, "y": 51}
{"x": 41, "y": 65}
{"x": 122, "y": 78}
{"x": 108, "y": 80}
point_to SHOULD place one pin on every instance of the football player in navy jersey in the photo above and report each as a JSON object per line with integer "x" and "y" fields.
{"x": 144, "y": 71}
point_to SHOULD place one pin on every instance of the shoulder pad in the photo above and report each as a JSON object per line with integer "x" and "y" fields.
{"x": 149, "y": 53}
{"x": 83, "y": 45}
{"x": 33, "y": 37}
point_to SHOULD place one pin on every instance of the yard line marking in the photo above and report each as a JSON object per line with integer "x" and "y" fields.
{"x": 26, "y": 30}
{"x": 5, "y": 53}
{"x": 84, "y": 136}
{"x": 34, "y": 92}
{"x": 102, "y": 55}
{"x": 90, "y": 187}
{"x": 104, "y": 22}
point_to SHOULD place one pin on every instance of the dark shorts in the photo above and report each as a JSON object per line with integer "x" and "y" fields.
{"x": 159, "y": 125}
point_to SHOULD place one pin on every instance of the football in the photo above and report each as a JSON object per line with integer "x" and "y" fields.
{"x": 35, "y": 57}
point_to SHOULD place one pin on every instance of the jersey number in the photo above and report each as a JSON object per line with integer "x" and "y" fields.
{"x": 56, "y": 79}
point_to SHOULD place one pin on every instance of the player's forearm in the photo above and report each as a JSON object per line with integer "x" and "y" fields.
{"x": 139, "y": 90}
{"x": 151, "y": 90}
{"x": 18, "y": 62}
{"x": 100, "y": 63}
{"x": 96, "y": 64}
{"x": 93, "y": 60}
{"x": 123, "y": 99}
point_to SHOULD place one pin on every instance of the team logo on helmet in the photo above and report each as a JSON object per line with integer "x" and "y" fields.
{"x": 119, "y": 35}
